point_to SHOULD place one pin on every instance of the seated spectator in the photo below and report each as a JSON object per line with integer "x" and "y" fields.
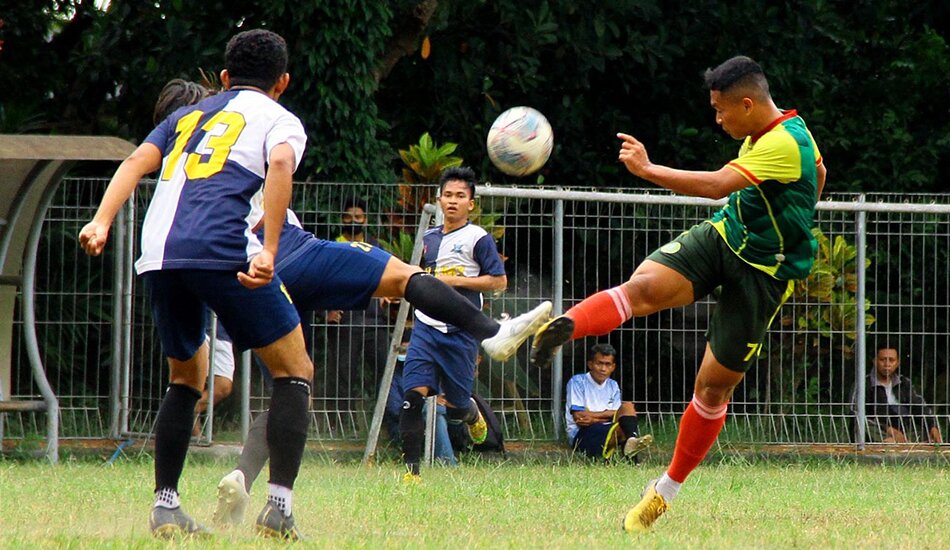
{"x": 597, "y": 421}
{"x": 895, "y": 412}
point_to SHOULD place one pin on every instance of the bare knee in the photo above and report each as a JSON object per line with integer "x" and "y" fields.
{"x": 713, "y": 395}
{"x": 627, "y": 409}
{"x": 288, "y": 356}
{"x": 641, "y": 290}
{"x": 654, "y": 287}
{"x": 395, "y": 278}
{"x": 222, "y": 388}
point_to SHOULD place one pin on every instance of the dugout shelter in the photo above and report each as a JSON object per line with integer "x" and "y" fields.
{"x": 31, "y": 168}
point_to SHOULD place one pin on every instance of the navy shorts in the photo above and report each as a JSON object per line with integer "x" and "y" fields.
{"x": 592, "y": 439}
{"x": 253, "y": 318}
{"x": 330, "y": 275}
{"x": 438, "y": 360}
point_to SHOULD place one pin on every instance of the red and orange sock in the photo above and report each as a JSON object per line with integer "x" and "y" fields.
{"x": 600, "y": 313}
{"x": 699, "y": 428}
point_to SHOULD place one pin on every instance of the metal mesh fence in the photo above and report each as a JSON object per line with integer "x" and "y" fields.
{"x": 799, "y": 391}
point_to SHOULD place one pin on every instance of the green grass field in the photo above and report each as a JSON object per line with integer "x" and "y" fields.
{"x": 731, "y": 503}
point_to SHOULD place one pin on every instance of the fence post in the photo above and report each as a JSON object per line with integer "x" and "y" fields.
{"x": 118, "y": 279}
{"x": 860, "y": 326}
{"x": 369, "y": 454}
{"x": 245, "y": 394}
{"x": 128, "y": 298}
{"x": 557, "y": 369}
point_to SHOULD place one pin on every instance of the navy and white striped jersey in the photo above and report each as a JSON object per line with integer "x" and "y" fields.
{"x": 468, "y": 251}
{"x": 209, "y": 195}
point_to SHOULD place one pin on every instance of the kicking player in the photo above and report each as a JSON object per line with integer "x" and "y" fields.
{"x": 442, "y": 354}
{"x": 754, "y": 248}
{"x": 226, "y": 165}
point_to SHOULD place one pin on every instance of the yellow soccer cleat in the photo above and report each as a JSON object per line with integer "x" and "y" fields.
{"x": 641, "y": 517}
{"x": 479, "y": 430}
{"x": 549, "y": 339}
{"x": 410, "y": 478}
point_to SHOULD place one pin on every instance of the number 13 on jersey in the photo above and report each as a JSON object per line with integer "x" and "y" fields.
{"x": 217, "y": 145}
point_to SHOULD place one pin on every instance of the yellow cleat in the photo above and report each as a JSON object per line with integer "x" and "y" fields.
{"x": 410, "y": 478}
{"x": 549, "y": 339}
{"x": 479, "y": 430}
{"x": 641, "y": 517}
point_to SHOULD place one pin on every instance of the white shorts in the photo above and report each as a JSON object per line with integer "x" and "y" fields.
{"x": 223, "y": 361}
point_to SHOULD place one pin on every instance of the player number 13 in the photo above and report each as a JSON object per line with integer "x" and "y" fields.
{"x": 218, "y": 144}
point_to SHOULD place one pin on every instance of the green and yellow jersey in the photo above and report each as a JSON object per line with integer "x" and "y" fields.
{"x": 769, "y": 223}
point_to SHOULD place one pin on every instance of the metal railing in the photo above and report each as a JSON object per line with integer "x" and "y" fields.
{"x": 105, "y": 365}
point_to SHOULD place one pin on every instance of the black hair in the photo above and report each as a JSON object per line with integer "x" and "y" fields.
{"x": 603, "y": 349}
{"x": 176, "y": 94}
{"x": 256, "y": 58}
{"x": 737, "y": 72}
{"x": 354, "y": 202}
{"x": 459, "y": 173}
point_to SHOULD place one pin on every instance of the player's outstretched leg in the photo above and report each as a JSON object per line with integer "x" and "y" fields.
{"x": 641, "y": 517}
{"x": 500, "y": 339}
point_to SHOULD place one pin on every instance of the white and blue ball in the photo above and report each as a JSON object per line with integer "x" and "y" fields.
{"x": 520, "y": 141}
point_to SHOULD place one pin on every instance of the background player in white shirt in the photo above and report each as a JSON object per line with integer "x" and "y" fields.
{"x": 441, "y": 355}
{"x": 597, "y": 420}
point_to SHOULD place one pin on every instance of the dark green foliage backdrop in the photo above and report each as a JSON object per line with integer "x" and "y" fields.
{"x": 871, "y": 77}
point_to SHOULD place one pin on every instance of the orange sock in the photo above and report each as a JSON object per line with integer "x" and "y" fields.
{"x": 699, "y": 428}
{"x": 600, "y": 313}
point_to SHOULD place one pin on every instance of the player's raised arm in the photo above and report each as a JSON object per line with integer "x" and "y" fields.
{"x": 144, "y": 160}
{"x": 713, "y": 185}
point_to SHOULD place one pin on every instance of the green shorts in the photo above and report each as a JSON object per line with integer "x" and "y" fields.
{"x": 748, "y": 301}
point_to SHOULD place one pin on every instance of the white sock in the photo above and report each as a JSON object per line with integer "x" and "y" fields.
{"x": 667, "y": 488}
{"x": 281, "y": 496}
{"x": 166, "y": 497}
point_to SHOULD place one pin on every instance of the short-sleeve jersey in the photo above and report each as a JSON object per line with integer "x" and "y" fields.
{"x": 209, "y": 194}
{"x": 584, "y": 394}
{"x": 769, "y": 224}
{"x": 468, "y": 251}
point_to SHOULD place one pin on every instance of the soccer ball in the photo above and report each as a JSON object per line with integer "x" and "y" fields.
{"x": 520, "y": 141}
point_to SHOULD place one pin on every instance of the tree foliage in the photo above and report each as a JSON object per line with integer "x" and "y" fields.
{"x": 869, "y": 77}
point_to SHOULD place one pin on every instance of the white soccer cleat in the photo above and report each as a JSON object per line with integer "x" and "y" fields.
{"x": 634, "y": 445}
{"x": 515, "y": 331}
{"x": 232, "y": 499}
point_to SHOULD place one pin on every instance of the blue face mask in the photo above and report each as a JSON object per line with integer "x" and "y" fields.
{"x": 401, "y": 357}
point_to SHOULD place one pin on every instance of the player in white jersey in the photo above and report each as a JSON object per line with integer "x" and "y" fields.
{"x": 226, "y": 165}
{"x": 441, "y": 356}
{"x": 326, "y": 275}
